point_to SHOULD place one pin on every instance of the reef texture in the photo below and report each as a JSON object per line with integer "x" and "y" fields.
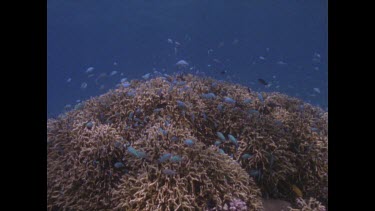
{"x": 184, "y": 142}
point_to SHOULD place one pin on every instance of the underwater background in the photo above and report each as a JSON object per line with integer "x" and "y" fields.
{"x": 93, "y": 44}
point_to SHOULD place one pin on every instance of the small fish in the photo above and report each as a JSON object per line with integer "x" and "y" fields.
{"x": 89, "y": 125}
{"x": 314, "y": 129}
{"x": 262, "y": 58}
{"x": 247, "y": 101}
{"x": 317, "y": 90}
{"x": 209, "y": 96}
{"x": 233, "y": 139}
{"x": 169, "y": 172}
{"x": 137, "y": 120}
{"x": 131, "y": 114}
{"x": 113, "y": 73}
{"x": 141, "y": 154}
{"x": 174, "y": 138}
{"x": 229, "y": 100}
{"x": 254, "y": 173}
{"x": 182, "y": 63}
{"x": 163, "y": 132}
{"x": 79, "y": 106}
{"x": 67, "y": 107}
{"x": 83, "y": 85}
{"x": 89, "y": 70}
{"x": 189, "y": 142}
{"x": 221, "y": 136}
{"x": 123, "y": 80}
{"x": 297, "y": 191}
{"x": 224, "y": 72}
{"x": 260, "y": 96}
{"x": 181, "y": 104}
{"x": 204, "y": 116}
{"x": 221, "y": 151}
{"x": 117, "y": 144}
{"x": 220, "y": 107}
{"x": 119, "y": 165}
{"x": 217, "y": 61}
{"x": 192, "y": 117}
{"x": 217, "y": 143}
{"x": 125, "y": 84}
{"x": 175, "y": 159}
{"x": 146, "y": 76}
{"x": 164, "y": 157}
{"x": 281, "y": 63}
{"x": 133, "y": 151}
{"x": 131, "y": 93}
{"x": 246, "y": 156}
{"x": 69, "y": 80}
{"x": 181, "y": 83}
{"x": 262, "y": 81}
{"x": 170, "y": 41}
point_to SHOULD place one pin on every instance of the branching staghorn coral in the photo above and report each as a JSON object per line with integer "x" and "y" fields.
{"x": 310, "y": 205}
{"x": 154, "y": 145}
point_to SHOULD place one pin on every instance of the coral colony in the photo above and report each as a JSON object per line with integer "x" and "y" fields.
{"x": 185, "y": 142}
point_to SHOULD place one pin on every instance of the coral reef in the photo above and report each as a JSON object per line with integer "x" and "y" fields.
{"x": 184, "y": 142}
{"x": 310, "y": 205}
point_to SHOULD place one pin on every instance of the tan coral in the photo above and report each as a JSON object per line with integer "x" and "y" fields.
{"x": 287, "y": 138}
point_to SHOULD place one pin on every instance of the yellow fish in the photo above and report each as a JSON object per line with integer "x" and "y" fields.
{"x": 297, "y": 191}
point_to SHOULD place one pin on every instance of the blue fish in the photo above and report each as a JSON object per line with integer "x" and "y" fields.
{"x": 181, "y": 104}
{"x": 164, "y": 132}
{"x": 246, "y": 156}
{"x": 181, "y": 83}
{"x": 254, "y": 173}
{"x": 233, "y": 139}
{"x": 169, "y": 172}
{"x": 260, "y": 96}
{"x": 175, "y": 159}
{"x": 157, "y": 110}
{"x": 221, "y": 136}
{"x": 229, "y": 100}
{"x": 136, "y": 153}
{"x": 209, "y": 96}
{"x": 189, "y": 142}
{"x": 252, "y": 111}
{"x": 247, "y": 101}
{"x": 174, "y": 138}
{"x": 217, "y": 143}
{"x": 204, "y": 116}
{"x": 119, "y": 165}
{"x": 126, "y": 84}
{"x": 131, "y": 93}
{"x": 132, "y": 151}
{"x": 220, "y": 107}
{"x": 192, "y": 117}
{"x": 164, "y": 157}
{"x": 146, "y": 76}
{"x": 221, "y": 151}
{"x": 89, "y": 125}
{"x": 137, "y": 119}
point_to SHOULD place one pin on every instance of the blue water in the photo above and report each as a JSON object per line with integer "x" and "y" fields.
{"x": 131, "y": 37}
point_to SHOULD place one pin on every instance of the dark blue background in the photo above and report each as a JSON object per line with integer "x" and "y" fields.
{"x": 134, "y": 34}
